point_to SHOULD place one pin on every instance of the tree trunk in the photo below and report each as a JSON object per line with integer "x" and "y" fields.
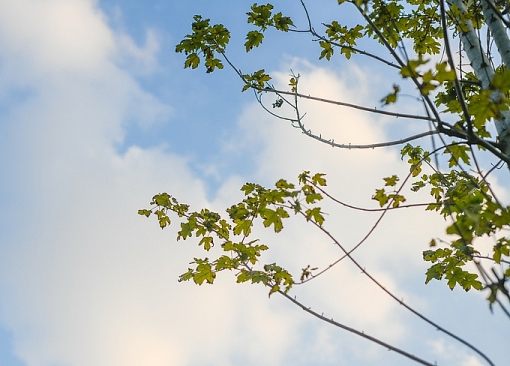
{"x": 480, "y": 63}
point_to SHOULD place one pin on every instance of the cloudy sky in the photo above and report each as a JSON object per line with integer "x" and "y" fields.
{"x": 97, "y": 115}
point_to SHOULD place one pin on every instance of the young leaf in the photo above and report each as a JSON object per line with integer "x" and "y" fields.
{"x": 204, "y": 273}
{"x": 315, "y": 215}
{"x": 327, "y": 50}
{"x": 207, "y": 242}
{"x": 253, "y": 39}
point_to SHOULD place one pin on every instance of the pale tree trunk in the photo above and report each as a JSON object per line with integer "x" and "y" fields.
{"x": 500, "y": 36}
{"x": 481, "y": 64}
{"x": 498, "y": 30}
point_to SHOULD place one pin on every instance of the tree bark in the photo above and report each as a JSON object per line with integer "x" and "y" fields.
{"x": 480, "y": 62}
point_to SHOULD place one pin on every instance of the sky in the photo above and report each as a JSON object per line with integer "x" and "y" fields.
{"x": 97, "y": 114}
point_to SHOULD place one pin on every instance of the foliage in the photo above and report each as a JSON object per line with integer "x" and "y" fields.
{"x": 271, "y": 206}
{"x": 462, "y": 104}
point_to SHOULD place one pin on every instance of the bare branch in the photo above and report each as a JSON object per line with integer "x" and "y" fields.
{"x": 357, "y": 332}
{"x": 368, "y": 146}
{"x": 299, "y": 124}
{"x": 401, "y": 302}
{"x": 318, "y": 37}
{"x": 371, "y": 209}
{"x": 354, "y": 106}
{"x": 490, "y": 258}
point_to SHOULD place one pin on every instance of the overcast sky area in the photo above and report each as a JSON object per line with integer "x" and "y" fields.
{"x": 97, "y": 114}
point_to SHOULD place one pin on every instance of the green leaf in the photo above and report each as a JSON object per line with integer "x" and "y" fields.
{"x": 442, "y": 74}
{"x": 411, "y": 68}
{"x": 260, "y": 15}
{"x": 192, "y": 61}
{"x": 163, "y": 219}
{"x": 391, "y": 181}
{"x": 502, "y": 248}
{"x": 274, "y": 217}
{"x": 204, "y": 273}
{"x": 242, "y": 227}
{"x": 212, "y": 63}
{"x": 186, "y": 276}
{"x": 259, "y": 277}
{"x": 257, "y": 80}
{"x": 381, "y": 197}
{"x": 282, "y": 23}
{"x": 501, "y": 80}
{"x": 327, "y": 50}
{"x": 205, "y": 41}
{"x": 274, "y": 289}
{"x": 397, "y": 200}
{"x": 416, "y": 158}
{"x": 283, "y": 184}
{"x": 458, "y": 153}
{"x": 313, "y": 197}
{"x": 392, "y": 97}
{"x": 293, "y": 82}
{"x": 303, "y": 177}
{"x": 186, "y": 230}
{"x": 224, "y": 262}
{"x": 248, "y": 188}
{"x": 253, "y": 39}
{"x": 243, "y": 276}
{"x": 144, "y": 212}
{"x": 162, "y": 199}
{"x": 315, "y": 215}
{"x": 207, "y": 242}
{"x": 319, "y": 180}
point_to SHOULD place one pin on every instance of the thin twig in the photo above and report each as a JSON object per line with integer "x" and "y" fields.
{"x": 352, "y": 330}
{"x": 449, "y": 57}
{"x": 354, "y": 106}
{"x": 401, "y": 302}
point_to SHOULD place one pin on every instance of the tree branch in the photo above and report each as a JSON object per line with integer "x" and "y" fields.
{"x": 352, "y": 330}
{"x": 353, "y": 106}
{"x": 331, "y": 142}
{"x": 401, "y": 302}
{"x": 318, "y": 37}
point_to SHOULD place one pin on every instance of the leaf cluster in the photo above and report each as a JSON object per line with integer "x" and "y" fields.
{"x": 446, "y": 89}
{"x": 342, "y": 36}
{"x": 205, "y": 41}
{"x": 269, "y": 206}
{"x": 430, "y": 79}
{"x": 483, "y": 105}
{"x": 473, "y": 213}
{"x": 262, "y": 17}
{"x": 383, "y": 197}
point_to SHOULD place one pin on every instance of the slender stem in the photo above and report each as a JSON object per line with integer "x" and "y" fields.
{"x": 314, "y": 33}
{"x": 357, "y": 332}
{"x": 354, "y": 106}
{"x": 401, "y": 302}
{"x": 449, "y": 57}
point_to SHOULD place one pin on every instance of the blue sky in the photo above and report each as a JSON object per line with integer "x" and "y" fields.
{"x": 97, "y": 115}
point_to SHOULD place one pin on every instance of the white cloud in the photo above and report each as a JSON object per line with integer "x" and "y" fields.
{"x": 353, "y": 176}
{"x": 454, "y": 354}
{"x": 392, "y": 254}
{"x": 88, "y": 282}
{"x": 65, "y": 35}
{"x": 143, "y": 58}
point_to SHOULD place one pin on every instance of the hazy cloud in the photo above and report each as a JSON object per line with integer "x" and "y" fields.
{"x": 86, "y": 281}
